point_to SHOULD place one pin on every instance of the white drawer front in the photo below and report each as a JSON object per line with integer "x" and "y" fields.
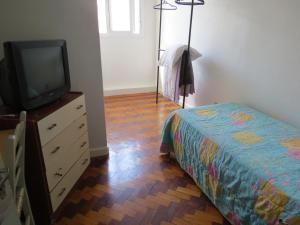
{"x": 64, "y": 187}
{"x": 56, "y": 122}
{"x": 82, "y": 145}
{"x": 57, "y": 148}
{"x": 56, "y": 169}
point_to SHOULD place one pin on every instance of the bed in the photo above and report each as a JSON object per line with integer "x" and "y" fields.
{"x": 246, "y": 162}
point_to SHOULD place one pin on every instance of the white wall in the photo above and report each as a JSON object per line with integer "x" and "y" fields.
{"x": 251, "y": 53}
{"x": 73, "y": 20}
{"x": 128, "y": 62}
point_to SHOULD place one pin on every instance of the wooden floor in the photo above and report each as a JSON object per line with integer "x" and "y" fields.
{"x": 137, "y": 186}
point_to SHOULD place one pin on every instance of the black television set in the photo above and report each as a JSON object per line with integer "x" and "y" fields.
{"x": 34, "y": 73}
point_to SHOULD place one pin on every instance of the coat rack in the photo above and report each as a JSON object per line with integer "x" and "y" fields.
{"x": 191, "y": 3}
{"x": 164, "y": 5}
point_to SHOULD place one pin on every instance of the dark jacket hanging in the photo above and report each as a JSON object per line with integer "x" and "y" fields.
{"x": 186, "y": 74}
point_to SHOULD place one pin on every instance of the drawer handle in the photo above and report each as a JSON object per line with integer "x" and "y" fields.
{"x": 81, "y": 126}
{"x": 83, "y": 144}
{"x": 58, "y": 174}
{"x": 55, "y": 150}
{"x": 79, "y": 107}
{"x": 85, "y": 161}
{"x": 52, "y": 126}
{"x": 62, "y": 192}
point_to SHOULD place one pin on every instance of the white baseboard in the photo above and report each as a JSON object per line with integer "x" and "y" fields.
{"x": 125, "y": 91}
{"x": 102, "y": 151}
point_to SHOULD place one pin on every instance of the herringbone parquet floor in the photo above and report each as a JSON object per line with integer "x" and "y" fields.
{"x": 137, "y": 186}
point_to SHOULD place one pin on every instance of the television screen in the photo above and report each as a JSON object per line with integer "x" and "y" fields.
{"x": 43, "y": 69}
{"x": 34, "y": 73}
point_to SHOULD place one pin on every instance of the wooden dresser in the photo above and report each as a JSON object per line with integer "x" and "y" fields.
{"x": 57, "y": 152}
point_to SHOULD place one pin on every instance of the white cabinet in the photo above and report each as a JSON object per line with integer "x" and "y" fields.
{"x": 57, "y": 122}
{"x": 65, "y": 148}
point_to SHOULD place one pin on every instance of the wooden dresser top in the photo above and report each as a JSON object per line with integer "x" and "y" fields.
{"x": 40, "y": 113}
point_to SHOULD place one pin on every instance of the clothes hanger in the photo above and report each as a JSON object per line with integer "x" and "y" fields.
{"x": 189, "y": 2}
{"x": 165, "y": 6}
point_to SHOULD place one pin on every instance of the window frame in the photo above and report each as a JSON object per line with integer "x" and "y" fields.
{"x": 130, "y": 33}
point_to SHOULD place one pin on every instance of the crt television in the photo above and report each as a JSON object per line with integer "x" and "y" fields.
{"x": 34, "y": 73}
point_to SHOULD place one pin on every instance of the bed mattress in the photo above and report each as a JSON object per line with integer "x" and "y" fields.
{"x": 246, "y": 162}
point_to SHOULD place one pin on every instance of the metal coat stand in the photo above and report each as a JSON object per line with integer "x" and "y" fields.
{"x": 161, "y": 8}
{"x": 191, "y": 3}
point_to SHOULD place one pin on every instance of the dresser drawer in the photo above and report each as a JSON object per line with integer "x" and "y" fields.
{"x": 64, "y": 187}
{"x": 56, "y": 169}
{"x": 82, "y": 145}
{"x": 56, "y": 122}
{"x": 57, "y": 148}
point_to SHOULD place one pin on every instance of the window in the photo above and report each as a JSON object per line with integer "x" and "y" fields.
{"x": 102, "y": 16}
{"x": 137, "y": 17}
{"x": 119, "y": 16}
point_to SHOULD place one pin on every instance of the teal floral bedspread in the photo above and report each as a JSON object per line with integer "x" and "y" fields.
{"x": 246, "y": 162}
